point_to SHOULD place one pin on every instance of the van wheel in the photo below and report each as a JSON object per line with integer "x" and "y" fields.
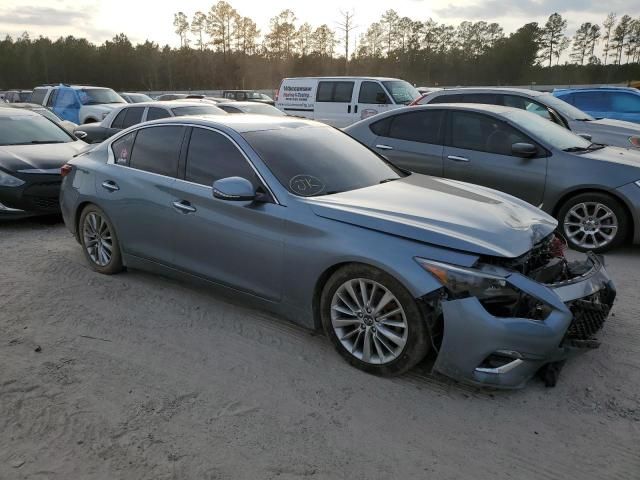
{"x": 373, "y": 321}
{"x": 594, "y": 222}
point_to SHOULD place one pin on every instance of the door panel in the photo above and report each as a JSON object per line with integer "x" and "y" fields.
{"x": 417, "y": 157}
{"x": 334, "y": 103}
{"x": 477, "y": 152}
{"x": 238, "y": 244}
{"x": 371, "y": 100}
{"x": 141, "y": 211}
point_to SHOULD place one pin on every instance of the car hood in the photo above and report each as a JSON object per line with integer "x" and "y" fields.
{"x": 38, "y": 157}
{"x": 606, "y": 125}
{"x": 442, "y": 212}
{"x": 621, "y": 156}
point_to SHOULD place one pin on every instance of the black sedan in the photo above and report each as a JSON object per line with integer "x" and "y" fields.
{"x": 32, "y": 151}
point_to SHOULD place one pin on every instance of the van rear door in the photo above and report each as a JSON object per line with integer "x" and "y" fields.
{"x": 297, "y": 97}
{"x": 335, "y": 102}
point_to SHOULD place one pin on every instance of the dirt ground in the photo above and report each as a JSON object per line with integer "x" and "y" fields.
{"x": 140, "y": 377}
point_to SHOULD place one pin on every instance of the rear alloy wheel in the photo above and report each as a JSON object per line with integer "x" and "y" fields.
{"x": 99, "y": 241}
{"x": 373, "y": 321}
{"x": 593, "y": 222}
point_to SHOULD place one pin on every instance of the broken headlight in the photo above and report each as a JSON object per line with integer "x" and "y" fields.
{"x": 463, "y": 282}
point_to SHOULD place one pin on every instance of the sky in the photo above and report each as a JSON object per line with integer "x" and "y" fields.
{"x": 146, "y": 19}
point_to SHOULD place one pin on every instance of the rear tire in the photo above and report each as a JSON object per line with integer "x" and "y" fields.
{"x": 594, "y": 222}
{"x": 99, "y": 241}
{"x": 373, "y": 321}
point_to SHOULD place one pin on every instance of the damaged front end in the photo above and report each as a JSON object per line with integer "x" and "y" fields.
{"x": 505, "y": 319}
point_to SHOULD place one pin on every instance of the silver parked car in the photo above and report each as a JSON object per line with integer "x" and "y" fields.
{"x": 593, "y": 190}
{"x": 602, "y": 130}
{"x": 303, "y": 220}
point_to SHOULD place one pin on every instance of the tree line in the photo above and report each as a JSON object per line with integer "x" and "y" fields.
{"x": 221, "y": 48}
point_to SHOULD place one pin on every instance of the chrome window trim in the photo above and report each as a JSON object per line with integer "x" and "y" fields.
{"x": 111, "y": 158}
{"x": 48, "y": 171}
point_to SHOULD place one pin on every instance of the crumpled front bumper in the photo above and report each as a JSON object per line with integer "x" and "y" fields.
{"x": 472, "y": 334}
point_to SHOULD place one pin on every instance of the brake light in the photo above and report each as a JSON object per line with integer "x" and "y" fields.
{"x": 65, "y": 170}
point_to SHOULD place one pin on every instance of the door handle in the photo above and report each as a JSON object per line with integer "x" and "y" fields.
{"x": 184, "y": 206}
{"x": 457, "y": 159}
{"x": 384, "y": 147}
{"x": 110, "y": 185}
{"x": 349, "y": 109}
{"x": 355, "y": 109}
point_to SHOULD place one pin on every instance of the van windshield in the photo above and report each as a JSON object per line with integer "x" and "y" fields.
{"x": 98, "y": 96}
{"x": 403, "y": 93}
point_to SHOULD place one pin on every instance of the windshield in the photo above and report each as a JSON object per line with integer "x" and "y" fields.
{"x": 549, "y": 132}
{"x": 27, "y": 130}
{"x": 564, "y": 108}
{"x": 139, "y": 98}
{"x": 262, "y": 109}
{"x": 401, "y": 91}
{"x": 45, "y": 112}
{"x": 98, "y": 96}
{"x": 311, "y": 161}
{"x": 197, "y": 110}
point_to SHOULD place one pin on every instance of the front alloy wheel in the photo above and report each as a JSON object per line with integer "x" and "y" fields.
{"x": 369, "y": 321}
{"x": 373, "y": 321}
{"x": 593, "y": 221}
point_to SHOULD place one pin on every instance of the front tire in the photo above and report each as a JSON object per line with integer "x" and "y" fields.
{"x": 99, "y": 241}
{"x": 373, "y": 321}
{"x": 594, "y": 222}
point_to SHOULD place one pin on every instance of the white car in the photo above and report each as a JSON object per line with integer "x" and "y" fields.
{"x": 341, "y": 101}
{"x": 78, "y": 103}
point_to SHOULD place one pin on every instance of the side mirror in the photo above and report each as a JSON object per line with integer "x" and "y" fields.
{"x": 524, "y": 150}
{"x": 586, "y": 136}
{"x": 80, "y": 134}
{"x": 234, "y": 189}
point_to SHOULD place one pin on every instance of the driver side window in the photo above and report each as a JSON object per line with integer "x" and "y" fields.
{"x": 372, "y": 93}
{"x": 526, "y": 104}
{"x": 483, "y": 133}
{"x": 212, "y": 156}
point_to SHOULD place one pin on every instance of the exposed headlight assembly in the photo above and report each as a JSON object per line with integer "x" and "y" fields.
{"x": 637, "y": 182}
{"x": 635, "y": 141}
{"x": 7, "y": 180}
{"x": 463, "y": 282}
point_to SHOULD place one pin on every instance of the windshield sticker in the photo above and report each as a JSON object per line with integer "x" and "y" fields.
{"x": 306, "y": 185}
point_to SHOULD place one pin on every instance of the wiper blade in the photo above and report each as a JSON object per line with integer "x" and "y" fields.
{"x": 387, "y": 180}
{"x": 37, "y": 142}
{"x": 575, "y": 149}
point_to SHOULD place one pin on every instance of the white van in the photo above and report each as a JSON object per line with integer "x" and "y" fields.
{"x": 341, "y": 101}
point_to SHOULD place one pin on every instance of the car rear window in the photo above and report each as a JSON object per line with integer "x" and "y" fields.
{"x": 199, "y": 110}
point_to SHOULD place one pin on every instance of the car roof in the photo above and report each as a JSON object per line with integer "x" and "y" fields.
{"x": 26, "y": 106}
{"x": 597, "y": 89}
{"x": 242, "y": 123}
{"x": 244, "y": 104}
{"x": 353, "y": 77}
{"x": 523, "y": 91}
{"x": 12, "y": 112}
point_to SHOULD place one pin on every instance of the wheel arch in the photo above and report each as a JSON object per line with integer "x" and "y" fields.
{"x": 566, "y": 196}
{"x": 319, "y": 286}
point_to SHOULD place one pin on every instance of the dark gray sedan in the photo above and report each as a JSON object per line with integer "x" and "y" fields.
{"x": 593, "y": 190}
{"x": 303, "y": 220}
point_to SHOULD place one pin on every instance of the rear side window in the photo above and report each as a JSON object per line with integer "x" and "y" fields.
{"x": 155, "y": 113}
{"x": 381, "y": 127}
{"x": 38, "y": 95}
{"x": 133, "y": 116}
{"x": 122, "y": 148}
{"x": 423, "y": 127}
{"x": 213, "y": 156}
{"x": 118, "y": 122}
{"x": 157, "y": 150}
{"x": 334, "y": 92}
{"x": 372, "y": 93}
{"x": 483, "y": 133}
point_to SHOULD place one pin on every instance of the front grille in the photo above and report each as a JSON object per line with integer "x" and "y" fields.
{"x": 589, "y": 315}
{"x": 44, "y": 202}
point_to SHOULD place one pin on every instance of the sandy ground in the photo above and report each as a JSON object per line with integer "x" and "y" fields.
{"x": 141, "y": 377}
